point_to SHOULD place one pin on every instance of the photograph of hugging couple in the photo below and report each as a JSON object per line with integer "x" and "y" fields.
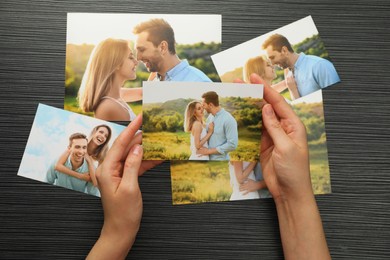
{"x": 201, "y": 121}
{"x": 108, "y": 56}
{"x": 65, "y": 149}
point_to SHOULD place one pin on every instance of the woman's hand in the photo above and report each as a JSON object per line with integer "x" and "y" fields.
{"x": 284, "y": 158}
{"x": 121, "y": 196}
{"x": 210, "y": 130}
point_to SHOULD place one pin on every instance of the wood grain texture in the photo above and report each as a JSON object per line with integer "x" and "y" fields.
{"x": 38, "y": 221}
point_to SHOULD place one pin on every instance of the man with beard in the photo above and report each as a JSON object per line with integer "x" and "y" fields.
{"x": 225, "y": 135}
{"x": 155, "y": 47}
{"x": 76, "y": 161}
{"x": 311, "y": 73}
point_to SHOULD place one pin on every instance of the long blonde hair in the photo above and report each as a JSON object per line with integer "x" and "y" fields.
{"x": 98, "y": 78}
{"x": 189, "y": 115}
{"x": 101, "y": 151}
{"x": 254, "y": 65}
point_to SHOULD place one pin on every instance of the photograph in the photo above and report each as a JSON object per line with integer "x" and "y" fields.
{"x": 108, "y": 56}
{"x": 201, "y": 121}
{"x": 199, "y": 182}
{"x": 292, "y": 59}
{"x": 65, "y": 148}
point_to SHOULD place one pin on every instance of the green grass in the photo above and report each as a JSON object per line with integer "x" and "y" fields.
{"x": 166, "y": 145}
{"x": 176, "y": 146}
{"x": 319, "y": 169}
{"x": 196, "y": 182}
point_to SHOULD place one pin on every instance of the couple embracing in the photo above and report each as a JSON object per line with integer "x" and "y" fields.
{"x": 217, "y": 137}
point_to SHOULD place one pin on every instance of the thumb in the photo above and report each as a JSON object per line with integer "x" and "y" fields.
{"x": 273, "y": 127}
{"x": 132, "y": 165}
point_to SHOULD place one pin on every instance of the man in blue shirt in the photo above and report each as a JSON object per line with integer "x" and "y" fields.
{"x": 78, "y": 148}
{"x": 155, "y": 47}
{"x": 310, "y": 73}
{"x": 225, "y": 136}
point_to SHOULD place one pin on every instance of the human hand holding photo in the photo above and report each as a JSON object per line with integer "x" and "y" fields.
{"x": 121, "y": 196}
{"x": 284, "y": 158}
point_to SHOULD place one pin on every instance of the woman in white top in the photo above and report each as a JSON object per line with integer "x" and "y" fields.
{"x": 240, "y": 172}
{"x": 193, "y": 122}
{"x": 111, "y": 63}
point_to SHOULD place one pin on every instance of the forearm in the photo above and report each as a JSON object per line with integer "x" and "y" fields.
{"x": 65, "y": 170}
{"x": 294, "y": 93}
{"x": 204, "y": 140}
{"x": 280, "y": 86}
{"x": 111, "y": 247}
{"x": 91, "y": 169}
{"x": 248, "y": 170}
{"x": 301, "y": 228}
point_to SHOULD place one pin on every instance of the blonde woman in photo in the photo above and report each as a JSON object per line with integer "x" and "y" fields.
{"x": 193, "y": 122}
{"x": 111, "y": 63}
{"x": 96, "y": 152}
{"x": 264, "y": 68}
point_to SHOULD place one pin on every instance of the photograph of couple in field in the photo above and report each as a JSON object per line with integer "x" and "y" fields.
{"x": 108, "y": 56}
{"x": 200, "y": 181}
{"x": 201, "y": 121}
{"x": 65, "y": 149}
{"x": 292, "y": 60}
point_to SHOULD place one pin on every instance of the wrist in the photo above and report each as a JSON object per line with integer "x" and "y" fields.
{"x": 122, "y": 240}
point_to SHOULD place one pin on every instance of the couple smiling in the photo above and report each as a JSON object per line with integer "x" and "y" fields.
{"x": 112, "y": 63}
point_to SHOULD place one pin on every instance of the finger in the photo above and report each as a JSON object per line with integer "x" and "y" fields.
{"x": 147, "y": 165}
{"x": 238, "y": 80}
{"x": 282, "y": 109}
{"x": 132, "y": 165}
{"x": 137, "y": 139}
{"x": 123, "y": 140}
{"x": 256, "y": 79}
{"x": 274, "y": 128}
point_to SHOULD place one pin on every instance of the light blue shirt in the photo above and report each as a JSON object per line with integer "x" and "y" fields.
{"x": 184, "y": 72}
{"x": 225, "y": 135}
{"x": 312, "y": 73}
{"x": 69, "y": 182}
{"x": 263, "y": 193}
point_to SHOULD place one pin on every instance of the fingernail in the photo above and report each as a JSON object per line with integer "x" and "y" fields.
{"x": 268, "y": 110}
{"x": 137, "y": 149}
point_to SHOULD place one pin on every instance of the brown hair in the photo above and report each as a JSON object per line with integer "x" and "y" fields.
{"x": 189, "y": 115}
{"x": 277, "y": 41}
{"x": 159, "y": 30}
{"x": 101, "y": 151}
{"x": 76, "y": 136}
{"x": 211, "y": 97}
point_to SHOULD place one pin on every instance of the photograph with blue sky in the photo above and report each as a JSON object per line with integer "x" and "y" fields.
{"x": 49, "y": 138}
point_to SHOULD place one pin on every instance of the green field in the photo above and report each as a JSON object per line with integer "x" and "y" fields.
{"x": 196, "y": 182}
{"x": 176, "y": 146}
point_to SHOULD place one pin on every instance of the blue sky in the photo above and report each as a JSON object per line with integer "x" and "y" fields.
{"x": 49, "y": 138}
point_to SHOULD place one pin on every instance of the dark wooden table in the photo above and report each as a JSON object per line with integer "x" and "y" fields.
{"x": 38, "y": 221}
